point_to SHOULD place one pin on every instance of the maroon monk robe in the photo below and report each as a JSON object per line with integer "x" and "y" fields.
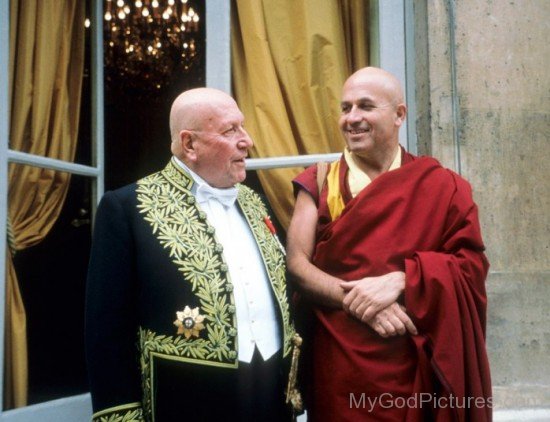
{"x": 420, "y": 219}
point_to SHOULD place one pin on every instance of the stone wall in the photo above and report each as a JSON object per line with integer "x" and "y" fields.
{"x": 483, "y": 100}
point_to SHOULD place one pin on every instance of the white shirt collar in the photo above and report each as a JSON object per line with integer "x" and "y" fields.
{"x": 204, "y": 192}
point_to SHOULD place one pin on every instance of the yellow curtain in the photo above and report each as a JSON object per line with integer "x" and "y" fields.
{"x": 46, "y": 69}
{"x": 290, "y": 59}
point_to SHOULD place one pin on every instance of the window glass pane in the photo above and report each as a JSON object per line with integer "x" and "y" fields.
{"x": 43, "y": 137}
{"x": 51, "y": 277}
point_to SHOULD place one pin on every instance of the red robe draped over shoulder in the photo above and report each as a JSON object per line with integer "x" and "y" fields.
{"x": 420, "y": 219}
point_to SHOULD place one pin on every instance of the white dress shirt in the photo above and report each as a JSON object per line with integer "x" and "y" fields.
{"x": 256, "y": 317}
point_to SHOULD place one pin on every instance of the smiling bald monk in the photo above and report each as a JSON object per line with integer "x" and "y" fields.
{"x": 386, "y": 250}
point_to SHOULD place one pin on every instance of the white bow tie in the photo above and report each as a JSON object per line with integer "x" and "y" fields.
{"x": 226, "y": 197}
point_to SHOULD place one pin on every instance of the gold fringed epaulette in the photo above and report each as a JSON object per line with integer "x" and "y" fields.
{"x": 292, "y": 393}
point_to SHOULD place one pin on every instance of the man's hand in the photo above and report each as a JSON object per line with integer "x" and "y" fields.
{"x": 366, "y": 297}
{"x": 392, "y": 321}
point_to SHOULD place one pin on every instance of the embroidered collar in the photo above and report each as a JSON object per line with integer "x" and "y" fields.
{"x": 204, "y": 192}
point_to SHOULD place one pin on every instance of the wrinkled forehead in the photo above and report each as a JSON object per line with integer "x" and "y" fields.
{"x": 221, "y": 113}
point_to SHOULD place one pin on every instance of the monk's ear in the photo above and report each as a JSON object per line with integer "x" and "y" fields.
{"x": 187, "y": 144}
{"x": 401, "y": 113}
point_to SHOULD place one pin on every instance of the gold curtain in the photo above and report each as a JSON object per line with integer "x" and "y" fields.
{"x": 290, "y": 59}
{"x": 46, "y": 69}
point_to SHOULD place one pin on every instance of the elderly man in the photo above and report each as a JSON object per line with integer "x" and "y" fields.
{"x": 386, "y": 248}
{"x": 187, "y": 315}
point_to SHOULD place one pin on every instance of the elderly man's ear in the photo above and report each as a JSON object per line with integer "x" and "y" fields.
{"x": 186, "y": 144}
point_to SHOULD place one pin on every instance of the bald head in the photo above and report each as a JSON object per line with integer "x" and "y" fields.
{"x": 372, "y": 113}
{"x": 208, "y": 135}
{"x": 192, "y": 107}
{"x": 386, "y": 81}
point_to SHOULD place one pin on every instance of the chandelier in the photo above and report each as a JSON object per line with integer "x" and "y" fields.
{"x": 146, "y": 41}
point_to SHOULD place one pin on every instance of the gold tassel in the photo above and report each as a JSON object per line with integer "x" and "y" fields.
{"x": 12, "y": 244}
{"x": 292, "y": 393}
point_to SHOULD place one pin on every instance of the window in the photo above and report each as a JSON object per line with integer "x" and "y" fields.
{"x": 86, "y": 186}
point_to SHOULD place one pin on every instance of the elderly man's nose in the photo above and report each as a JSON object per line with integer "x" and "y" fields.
{"x": 245, "y": 141}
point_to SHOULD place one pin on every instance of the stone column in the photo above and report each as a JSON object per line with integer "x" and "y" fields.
{"x": 483, "y": 100}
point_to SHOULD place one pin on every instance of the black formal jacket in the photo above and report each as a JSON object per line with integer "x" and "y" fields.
{"x": 154, "y": 254}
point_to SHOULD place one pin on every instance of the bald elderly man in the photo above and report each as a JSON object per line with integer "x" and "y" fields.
{"x": 187, "y": 315}
{"x": 386, "y": 249}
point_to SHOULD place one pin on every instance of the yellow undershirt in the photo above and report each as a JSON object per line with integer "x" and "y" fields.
{"x": 357, "y": 180}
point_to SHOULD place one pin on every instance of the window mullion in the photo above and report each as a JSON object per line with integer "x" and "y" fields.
{"x": 98, "y": 101}
{"x": 4, "y": 134}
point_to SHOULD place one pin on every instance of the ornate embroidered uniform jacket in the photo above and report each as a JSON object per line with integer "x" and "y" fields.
{"x": 154, "y": 254}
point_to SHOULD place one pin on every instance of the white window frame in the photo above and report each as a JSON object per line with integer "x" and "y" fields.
{"x": 392, "y": 34}
{"x": 75, "y": 408}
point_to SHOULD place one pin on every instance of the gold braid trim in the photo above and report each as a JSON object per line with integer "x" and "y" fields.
{"x": 12, "y": 243}
{"x": 131, "y": 412}
{"x": 293, "y": 395}
{"x": 273, "y": 257}
{"x": 177, "y": 348}
{"x": 181, "y": 228}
